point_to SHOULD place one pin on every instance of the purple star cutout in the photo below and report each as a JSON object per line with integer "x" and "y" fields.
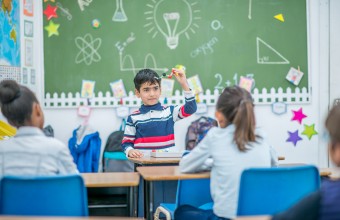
{"x": 294, "y": 137}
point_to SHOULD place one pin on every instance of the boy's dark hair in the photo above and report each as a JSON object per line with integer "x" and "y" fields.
{"x": 16, "y": 102}
{"x": 146, "y": 75}
{"x": 333, "y": 125}
{"x": 236, "y": 104}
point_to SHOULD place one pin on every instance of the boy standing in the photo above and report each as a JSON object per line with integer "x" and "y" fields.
{"x": 152, "y": 126}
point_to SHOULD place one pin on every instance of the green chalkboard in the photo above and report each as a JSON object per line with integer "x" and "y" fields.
{"x": 219, "y": 40}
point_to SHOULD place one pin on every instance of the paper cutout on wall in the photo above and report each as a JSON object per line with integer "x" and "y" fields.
{"x": 87, "y": 88}
{"x": 52, "y": 28}
{"x": 51, "y": 12}
{"x": 294, "y": 137}
{"x": 95, "y": 23}
{"x": 298, "y": 115}
{"x": 279, "y": 108}
{"x": 195, "y": 84}
{"x": 167, "y": 86}
{"x": 309, "y": 131}
{"x": 118, "y": 89}
{"x": 279, "y": 17}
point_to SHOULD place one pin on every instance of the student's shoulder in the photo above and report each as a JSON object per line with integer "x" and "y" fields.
{"x": 54, "y": 143}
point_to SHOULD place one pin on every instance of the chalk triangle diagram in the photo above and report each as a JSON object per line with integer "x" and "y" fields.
{"x": 266, "y": 54}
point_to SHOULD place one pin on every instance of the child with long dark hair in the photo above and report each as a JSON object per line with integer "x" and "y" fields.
{"x": 233, "y": 146}
{"x": 29, "y": 152}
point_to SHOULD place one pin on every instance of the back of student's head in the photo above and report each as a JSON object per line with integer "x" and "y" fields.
{"x": 16, "y": 102}
{"x": 333, "y": 126}
{"x": 146, "y": 75}
{"x": 236, "y": 104}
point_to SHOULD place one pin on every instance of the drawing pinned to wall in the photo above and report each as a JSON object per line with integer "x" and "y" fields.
{"x": 87, "y": 88}
{"x": 51, "y": 12}
{"x": 28, "y": 28}
{"x": 279, "y": 17}
{"x": 149, "y": 59}
{"x": 88, "y": 49}
{"x": 24, "y": 76}
{"x": 195, "y": 84}
{"x": 167, "y": 86}
{"x": 309, "y": 131}
{"x": 33, "y": 77}
{"x": 163, "y": 17}
{"x": 294, "y": 137}
{"x": 28, "y": 52}
{"x": 64, "y": 11}
{"x": 52, "y": 28}
{"x": 266, "y": 54}
{"x": 83, "y": 3}
{"x": 119, "y": 14}
{"x": 118, "y": 89}
{"x": 294, "y": 76}
{"x": 246, "y": 83}
{"x": 28, "y": 8}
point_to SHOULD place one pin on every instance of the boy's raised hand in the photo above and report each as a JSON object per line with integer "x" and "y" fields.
{"x": 135, "y": 154}
{"x": 181, "y": 78}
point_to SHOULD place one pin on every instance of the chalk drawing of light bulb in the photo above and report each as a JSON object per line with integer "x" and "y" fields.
{"x": 172, "y": 19}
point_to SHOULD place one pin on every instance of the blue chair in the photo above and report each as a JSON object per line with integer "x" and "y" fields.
{"x": 267, "y": 191}
{"x": 195, "y": 192}
{"x": 43, "y": 196}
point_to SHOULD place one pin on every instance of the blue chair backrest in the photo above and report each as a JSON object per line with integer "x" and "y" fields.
{"x": 266, "y": 191}
{"x": 43, "y": 196}
{"x": 195, "y": 192}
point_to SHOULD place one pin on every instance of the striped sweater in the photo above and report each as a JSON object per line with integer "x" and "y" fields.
{"x": 152, "y": 127}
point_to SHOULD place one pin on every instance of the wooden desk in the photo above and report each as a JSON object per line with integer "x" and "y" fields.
{"x": 161, "y": 161}
{"x": 281, "y": 158}
{"x": 160, "y": 173}
{"x": 333, "y": 173}
{"x": 144, "y": 161}
{"x": 64, "y": 218}
{"x": 116, "y": 179}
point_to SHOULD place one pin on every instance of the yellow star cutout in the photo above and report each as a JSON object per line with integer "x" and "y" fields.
{"x": 52, "y": 28}
{"x": 309, "y": 131}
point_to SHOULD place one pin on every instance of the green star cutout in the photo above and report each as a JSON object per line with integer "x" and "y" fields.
{"x": 52, "y": 28}
{"x": 309, "y": 131}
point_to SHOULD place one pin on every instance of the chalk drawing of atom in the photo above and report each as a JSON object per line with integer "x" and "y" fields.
{"x": 88, "y": 49}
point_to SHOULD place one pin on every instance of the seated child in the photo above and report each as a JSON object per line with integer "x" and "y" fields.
{"x": 233, "y": 146}
{"x": 323, "y": 204}
{"x": 29, "y": 152}
{"x": 152, "y": 126}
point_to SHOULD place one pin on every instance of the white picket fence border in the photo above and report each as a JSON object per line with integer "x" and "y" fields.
{"x": 263, "y": 97}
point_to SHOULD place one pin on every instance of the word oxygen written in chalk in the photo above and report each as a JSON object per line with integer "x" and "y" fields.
{"x": 205, "y": 49}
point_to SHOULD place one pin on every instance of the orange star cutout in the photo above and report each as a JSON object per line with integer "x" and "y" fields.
{"x": 51, "y": 12}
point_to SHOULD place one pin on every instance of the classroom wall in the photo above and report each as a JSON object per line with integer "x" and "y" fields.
{"x": 307, "y": 151}
{"x": 334, "y": 50}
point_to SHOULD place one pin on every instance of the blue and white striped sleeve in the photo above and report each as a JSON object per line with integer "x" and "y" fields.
{"x": 187, "y": 109}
